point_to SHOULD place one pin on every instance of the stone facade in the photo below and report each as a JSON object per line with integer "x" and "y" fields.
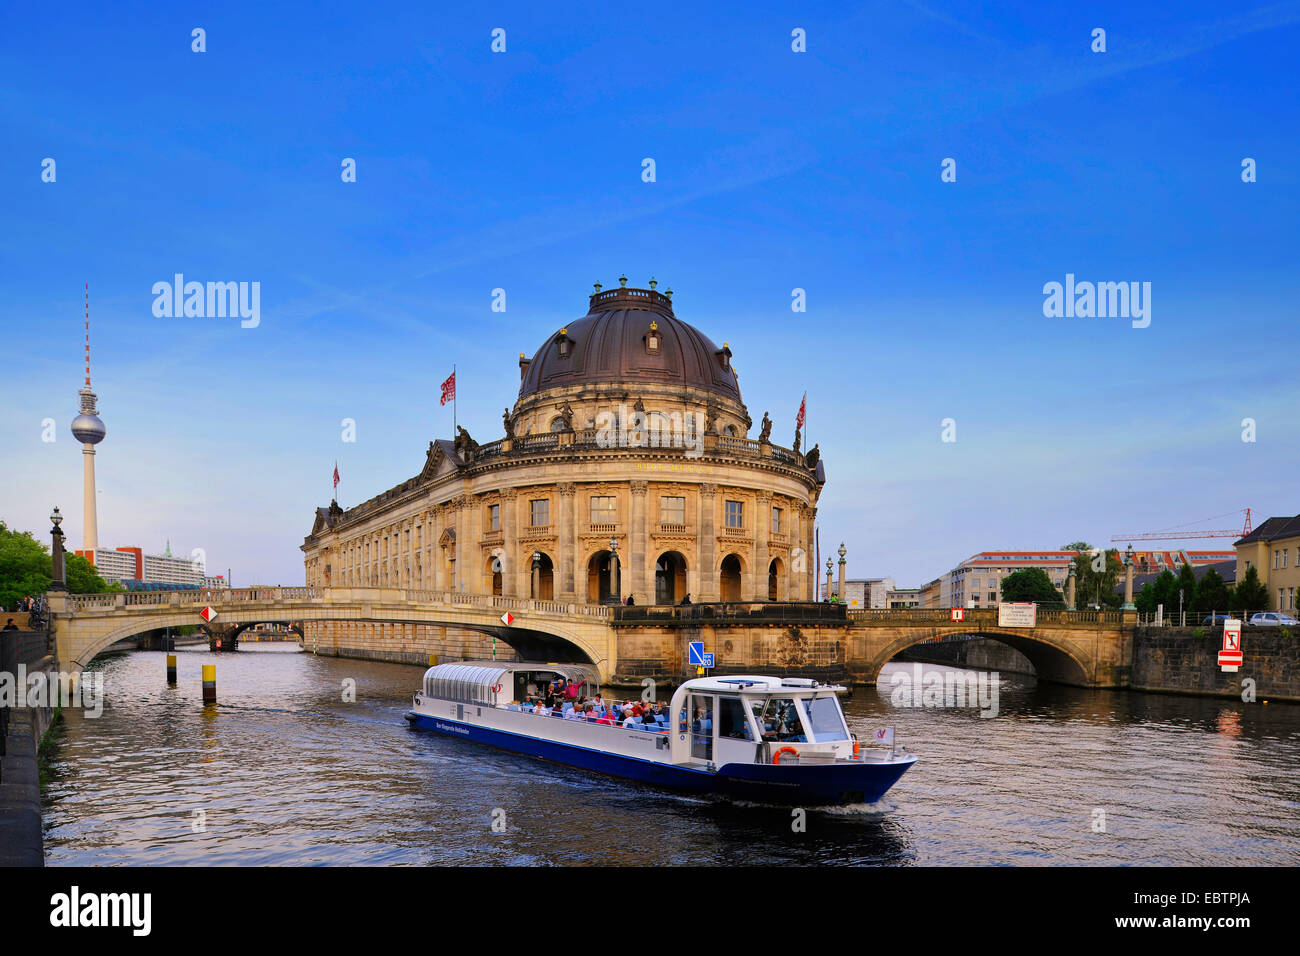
{"x": 647, "y": 448}
{"x": 1176, "y": 660}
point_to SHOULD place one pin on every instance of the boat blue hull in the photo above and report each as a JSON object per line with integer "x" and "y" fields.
{"x": 789, "y": 784}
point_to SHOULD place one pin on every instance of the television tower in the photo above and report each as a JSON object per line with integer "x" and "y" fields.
{"x": 88, "y": 429}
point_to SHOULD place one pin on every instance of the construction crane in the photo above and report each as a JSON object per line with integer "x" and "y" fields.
{"x": 1188, "y": 535}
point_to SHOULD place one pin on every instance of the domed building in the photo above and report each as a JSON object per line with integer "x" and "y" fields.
{"x": 629, "y": 466}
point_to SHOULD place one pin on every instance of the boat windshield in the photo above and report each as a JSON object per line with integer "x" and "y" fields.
{"x": 826, "y": 719}
{"x": 779, "y": 720}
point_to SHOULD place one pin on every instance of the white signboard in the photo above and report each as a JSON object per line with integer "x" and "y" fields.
{"x": 1017, "y": 615}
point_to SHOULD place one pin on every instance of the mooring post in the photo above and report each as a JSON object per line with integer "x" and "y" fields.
{"x": 171, "y": 668}
{"x": 209, "y": 683}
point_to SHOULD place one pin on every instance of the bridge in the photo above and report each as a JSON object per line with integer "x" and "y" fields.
{"x": 1084, "y": 648}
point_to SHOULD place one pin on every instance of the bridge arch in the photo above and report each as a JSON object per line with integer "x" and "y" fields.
{"x": 1054, "y": 658}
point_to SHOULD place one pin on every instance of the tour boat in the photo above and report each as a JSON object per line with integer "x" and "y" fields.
{"x": 762, "y": 739}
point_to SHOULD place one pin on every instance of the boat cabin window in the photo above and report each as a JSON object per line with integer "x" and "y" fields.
{"x": 780, "y": 720}
{"x": 826, "y": 719}
{"x": 732, "y": 721}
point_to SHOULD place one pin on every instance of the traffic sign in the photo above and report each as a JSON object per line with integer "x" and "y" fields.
{"x": 957, "y": 613}
{"x": 695, "y": 653}
{"x": 507, "y": 619}
{"x": 207, "y": 614}
{"x": 708, "y": 660}
{"x": 1230, "y": 656}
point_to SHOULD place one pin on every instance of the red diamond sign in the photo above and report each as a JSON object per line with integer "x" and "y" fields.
{"x": 207, "y": 614}
{"x": 507, "y": 619}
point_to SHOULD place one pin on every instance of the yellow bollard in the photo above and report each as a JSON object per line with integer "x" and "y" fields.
{"x": 433, "y": 660}
{"x": 171, "y": 668}
{"x": 209, "y": 683}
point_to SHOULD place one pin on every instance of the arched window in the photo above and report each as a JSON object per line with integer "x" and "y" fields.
{"x": 729, "y": 431}
{"x": 557, "y": 423}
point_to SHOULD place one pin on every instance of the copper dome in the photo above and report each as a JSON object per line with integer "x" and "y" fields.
{"x": 613, "y": 344}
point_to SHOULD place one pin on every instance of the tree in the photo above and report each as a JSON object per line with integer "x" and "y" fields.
{"x": 1187, "y": 585}
{"x": 24, "y": 566}
{"x": 82, "y": 578}
{"x": 1157, "y": 592}
{"x": 1249, "y": 594}
{"x": 1212, "y": 593}
{"x": 1031, "y": 584}
{"x": 1096, "y": 575}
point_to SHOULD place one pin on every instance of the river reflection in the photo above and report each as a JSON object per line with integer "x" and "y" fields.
{"x": 284, "y": 771}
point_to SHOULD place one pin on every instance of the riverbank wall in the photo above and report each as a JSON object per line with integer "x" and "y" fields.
{"x": 22, "y": 729}
{"x": 1176, "y": 660}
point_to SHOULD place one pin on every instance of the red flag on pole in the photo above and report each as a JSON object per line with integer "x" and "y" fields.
{"x": 448, "y": 389}
{"x": 803, "y": 407}
{"x": 336, "y": 476}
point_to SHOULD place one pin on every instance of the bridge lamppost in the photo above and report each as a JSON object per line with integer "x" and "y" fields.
{"x": 828, "y": 578}
{"x": 1069, "y": 588}
{"x": 59, "y": 567}
{"x": 843, "y": 552}
{"x": 537, "y": 574}
{"x": 613, "y": 570}
{"x": 1128, "y": 580}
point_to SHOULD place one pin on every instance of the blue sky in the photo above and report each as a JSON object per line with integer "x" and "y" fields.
{"x": 775, "y": 170}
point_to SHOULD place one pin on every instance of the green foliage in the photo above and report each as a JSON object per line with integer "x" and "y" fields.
{"x": 1157, "y": 592}
{"x": 1249, "y": 594}
{"x": 1096, "y": 586}
{"x": 1212, "y": 593}
{"x": 25, "y": 566}
{"x": 1076, "y": 546}
{"x": 1198, "y": 632}
{"x": 1186, "y": 584}
{"x": 1031, "y": 584}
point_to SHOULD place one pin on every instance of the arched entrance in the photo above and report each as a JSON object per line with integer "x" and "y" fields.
{"x": 602, "y": 579}
{"x": 493, "y": 575}
{"x": 729, "y": 579}
{"x": 670, "y": 578}
{"x": 776, "y": 580}
{"x": 543, "y": 587}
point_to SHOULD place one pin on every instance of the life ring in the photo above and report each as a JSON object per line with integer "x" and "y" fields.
{"x": 776, "y": 757}
{"x": 496, "y": 689}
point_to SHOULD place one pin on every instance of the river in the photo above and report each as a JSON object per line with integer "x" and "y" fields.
{"x": 284, "y": 770}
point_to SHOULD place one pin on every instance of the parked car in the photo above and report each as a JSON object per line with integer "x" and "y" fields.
{"x": 1272, "y": 619}
{"x": 1214, "y": 620}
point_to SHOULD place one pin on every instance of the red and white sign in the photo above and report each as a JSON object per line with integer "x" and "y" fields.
{"x": 1230, "y": 654}
{"x": 507, "y": 619}
{"x": 207, "y": 614}
{"x": 957, "y": 614}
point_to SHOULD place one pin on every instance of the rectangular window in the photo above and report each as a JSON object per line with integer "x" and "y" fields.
{"x": 672, "y": 510}
{"x": 776, "y": 520}
{"x": 735, "y": 514}
{"x": 494, "y": 517}
{"x": 541, "y": 512}
{"x": 602, "y": 510}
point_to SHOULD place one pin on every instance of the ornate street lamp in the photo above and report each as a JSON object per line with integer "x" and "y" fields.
{"x": 60, "y": 575}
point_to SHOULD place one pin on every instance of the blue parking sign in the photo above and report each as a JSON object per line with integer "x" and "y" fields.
{"x": 695, "y": 654}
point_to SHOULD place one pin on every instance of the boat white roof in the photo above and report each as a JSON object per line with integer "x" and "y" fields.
{"x": 754, "y": 683}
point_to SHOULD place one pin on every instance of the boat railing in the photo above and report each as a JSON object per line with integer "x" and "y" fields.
{"x": 622, "y": 723}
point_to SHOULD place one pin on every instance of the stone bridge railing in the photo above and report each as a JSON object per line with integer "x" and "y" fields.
{"x": 227, "y": 597}
{"x": 978, "y": 617}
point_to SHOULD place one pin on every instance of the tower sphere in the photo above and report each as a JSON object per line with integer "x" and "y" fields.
{"x": 88, "y": 429}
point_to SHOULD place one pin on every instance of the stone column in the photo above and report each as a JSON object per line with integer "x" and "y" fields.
{"x": 1128, "y": 588}
{"x": 461, "y": 504}
{"x": 638, "y": 560}
{"x": 708, "y": 569}
{"x": 475, "y": 579}
{"x": 567, "y": 538}
{"x": 512, "y": 575}
{"x": 841, "y": 578}
{"x": 1069, "y": 588}
{"x": 762, "y": 555}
